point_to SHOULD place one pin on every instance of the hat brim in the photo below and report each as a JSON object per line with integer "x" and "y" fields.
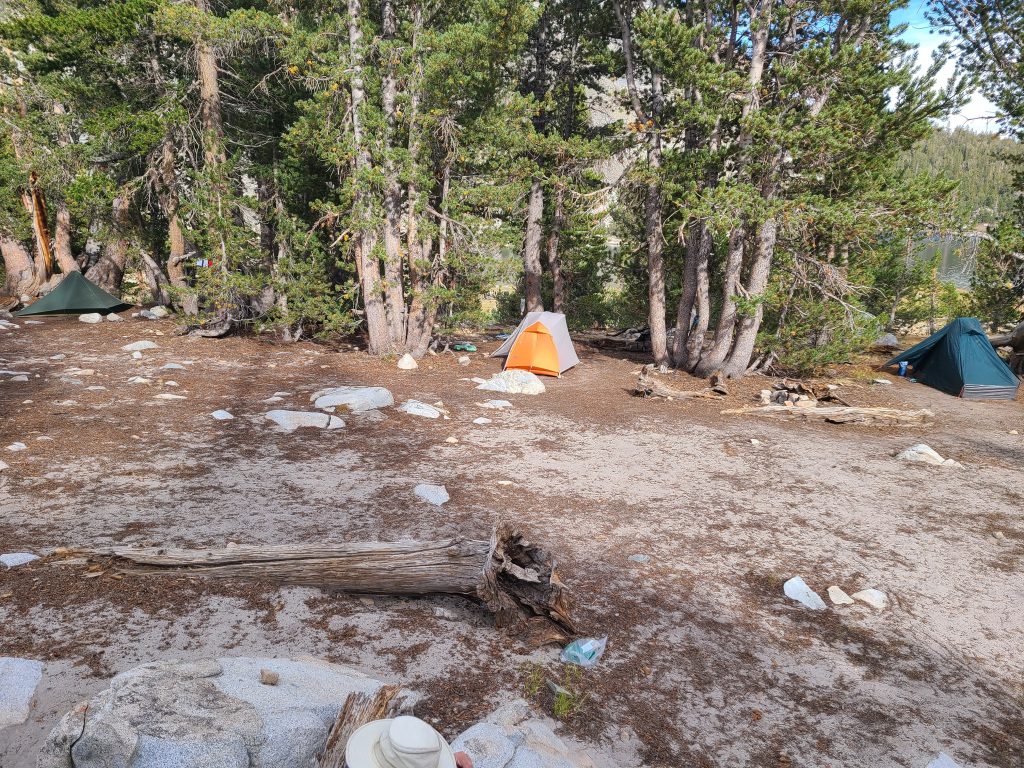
{"x": 359, "y": 752}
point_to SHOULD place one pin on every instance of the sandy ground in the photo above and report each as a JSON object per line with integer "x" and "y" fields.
{"x": 708, "y": 664}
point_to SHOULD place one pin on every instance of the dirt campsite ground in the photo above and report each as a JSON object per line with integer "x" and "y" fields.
{"x": 708, "y": 663}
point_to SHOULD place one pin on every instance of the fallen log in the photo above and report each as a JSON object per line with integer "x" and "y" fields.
{"x": 647, "y": 385}
{"x": 841, "y": 415}
{"x": 515, "y": 579}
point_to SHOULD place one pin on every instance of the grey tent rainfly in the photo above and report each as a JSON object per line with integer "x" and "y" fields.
{"x": 73, "y": 296}
{"x": 960, "y": 361}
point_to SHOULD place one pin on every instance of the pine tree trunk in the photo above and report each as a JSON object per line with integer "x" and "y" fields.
{"x": 188, "y": 302}
{"x": 715, "y": 356}
{"x": 19, "y": 269}
{"x": 212, "y": 122}
{"x": 749, "y": 324}
{"x": 393, "y": 292}
{"x": 62, "y": 242}
{"x": 554, "y": 258}
{"x": 379, "y": 335}
{"x": 655, "y": 258}
{"x": 699, "y": 245}
{"x": 108, "y": 272}
{"x": 531, "y": 248}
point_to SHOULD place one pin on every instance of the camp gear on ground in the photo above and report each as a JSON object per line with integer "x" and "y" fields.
{"x": 959, "y": 360}
{"x": 401, "y": 742}
{"x": 903, "y": 367}
{"x": 75, "y": 296}
{"x": 464, "y": 346}
{"x": 585, "y": 652}
{"x": 540, "y": 344}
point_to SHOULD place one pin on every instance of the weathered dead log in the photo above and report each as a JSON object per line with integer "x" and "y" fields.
{"x": 841, "y": 415}
{"x": 513, "y": 578}
{"x": 648, "y": 385}
{"x": 358, "y": 710}
{"x": 1015, "y": 341}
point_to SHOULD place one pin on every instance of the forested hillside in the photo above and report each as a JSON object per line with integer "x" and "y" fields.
{"x": 981, "y": 164}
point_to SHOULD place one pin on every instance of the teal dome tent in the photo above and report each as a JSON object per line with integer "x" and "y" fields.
{"x": 960, "y": 360}
{"x": 75, "y": 295}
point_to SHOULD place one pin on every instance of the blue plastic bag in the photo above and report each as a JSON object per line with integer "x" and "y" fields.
{"x": 585, "y": 652}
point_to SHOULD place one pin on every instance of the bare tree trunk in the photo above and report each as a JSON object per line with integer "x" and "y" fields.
{"x": 713, "y": 358}
{"x": 380, "y": 341}
{"x": 698, "y": 250}
{"x": 108, "y": 272}
{"x": 750, "y": 323}
{"x": 62, "y": 242}
{"x": 177, "y": 247}
{"x": 155, "y": 279}
{"x": 19, "y": 269}
{"x": 212, "y": 121}
{"x": 531, "y": 248}
{"x": 554, "y": 258}
{"x": 393, "y": 292}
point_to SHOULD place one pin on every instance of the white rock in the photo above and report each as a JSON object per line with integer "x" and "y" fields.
{"x": 354, "y": 398}
{"x": 514, "y": 382}
{"x": 173, "y": 367}
{"x": 838, "y": 596}
{"x": 58, "y": 356}
{"x": 477, "y": 380}
{"x": 272, "y": 400}
{"x": 19, "y": 378}
{"x": 481, "y": 420}
{"x": 113, "y": 317}
{"x": 139, "y": 380}
{"x": 222, "y": 415}
{"x": 873, "y": 597}
{"x": 924, "y": 454}
{"x": 18, "y": 681}
{"x": 942, "y": 761}
{"x": 292, "y": 420}
{"x": 881, "y": 381}
{"x": 755, "y": 442}
{"x": 13, "y": 559}
{"x": 171, "y": 383}
{"x": 407, "y": 362}
{"x": 796, "y": 589}
{"x": 451, "y": 440}
{"x": 159, "y": 311}
{"x": 4, "y": 465}
{"x": 416, "y": 408}
{"x": 496, "y": 404}
{"x": 32, "y": 322}
{"x": 435, "y": 494}
{"x": 17, "y": 447}
{"x": 13, "y": 373}
{"x": 169, "y": 396}
{"x": 464, "y": 360}
{"x": 138, "y": 346}
{"x": 136, "y": 355}
{"x": 282, "y": 394}
{"x": 90, "y": 317}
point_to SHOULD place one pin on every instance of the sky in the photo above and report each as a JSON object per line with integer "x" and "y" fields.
{"x": 977, "y": 113}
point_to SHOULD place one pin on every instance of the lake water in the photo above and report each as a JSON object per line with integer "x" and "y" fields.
{"x": 957, "y": 258}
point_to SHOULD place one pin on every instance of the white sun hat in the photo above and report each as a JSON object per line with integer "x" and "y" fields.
{"x": 402, "y": 742}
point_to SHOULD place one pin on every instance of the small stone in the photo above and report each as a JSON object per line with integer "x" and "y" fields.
{"x": 1014, "y": 432}
{"x": 292, "y": 420}
{"x": 464, "y": 360}
{"x": 282, "y": 394}
{"x": 873, "y": 597}
{"x": 138, "y": 346}
{"x": 32, "y": 322}
{"x": 222, "y": 415}
{"x": 451, "y": 440}
{"x": 838, "y": 597}
{"x": 356, "y": 399}
{"x": 18, "y": 681}
{"x": 797, "y": 589}
{"x": 19, "y": 378}
{"x": 435, "y": 494}
{"x": 416, "y": 408}
{"x": 495, "y": 404}
{"x": 4, "y": 465}
{"x": 481, "y": 420}
{"x": 17, "y": 447}
{"x": 58, "y": 356}
{"x": 139, "y": 380}
{"x": 113, "y": 317}
{"x": 159, "y": 311}
{"x": 169, "y": 396}
{"x": 170, "y": 383}
{"x": 924, "y": 454}
{"x": 407, "y": 362}
{"x": 998, "y": 534}
{"x": 640, "y": 558}
{"x": 883, "y": 382}
{"x": 90, "y": 317}
{"x": 766, "y": 396}
{"x": 272, "y": 400}
{"x": 269, "y": 677}
{"x": 136, "y": 355}
{"x": 173, "y": 367}
{"x": 755, "y": 442}
{"x": 14, "y": 559}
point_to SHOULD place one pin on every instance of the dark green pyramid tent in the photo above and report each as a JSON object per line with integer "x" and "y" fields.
{"x": 74, "y": 295}
{"x": 960, "y": 360}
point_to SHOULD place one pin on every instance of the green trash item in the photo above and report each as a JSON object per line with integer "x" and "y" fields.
{"x": 75, "y": 296}
{"x": 464, "y": 347}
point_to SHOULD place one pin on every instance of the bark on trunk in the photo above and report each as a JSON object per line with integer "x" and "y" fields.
{"x": 393, "y": 293}
{"x": 211, "y": 119}
{"x": 108, "y": 272}
{"x": 36, "y": 207}
{"x": 554, "y": 257}
{"x": 155, "y": 279}
{"x": 62, "y": 242}
{"x": 515, "y": 579}
{"x": 699, "y": 252}
{"x": 713, "y": 358}
{"x": 19, "y": 269}
{"x": 531, "y": 248}
{"x": 379, "y": 336}
{"x": 359, "y": 709}
{"x": 177, "y": 257}
{"x": 750, "y": 323}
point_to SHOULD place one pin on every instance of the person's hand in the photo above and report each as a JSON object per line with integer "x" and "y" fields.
{"x": 462, "y": 760}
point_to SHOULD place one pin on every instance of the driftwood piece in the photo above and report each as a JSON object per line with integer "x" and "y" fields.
{"x": 358, "y": 710}
{"x": 516, "y": 580}
{"x": 648, "y": 385}
{"x": 841, "y": 415}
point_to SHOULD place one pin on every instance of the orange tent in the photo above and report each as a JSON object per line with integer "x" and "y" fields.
{"x": 541, "y": 345}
